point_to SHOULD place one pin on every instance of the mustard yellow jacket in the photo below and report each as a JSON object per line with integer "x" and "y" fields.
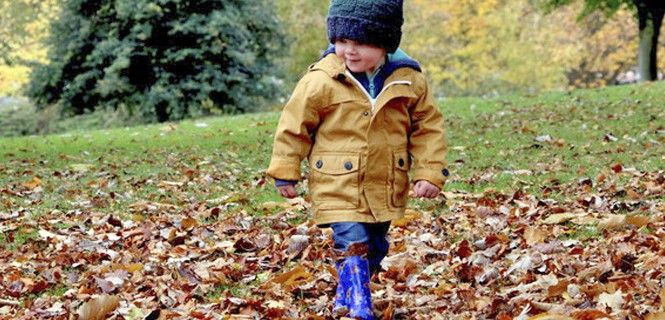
{"x": 359, "y": 155}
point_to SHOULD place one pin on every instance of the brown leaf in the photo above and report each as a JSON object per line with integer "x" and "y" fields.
{"x": 558, "y": 218}
{"x": 290, "y": 278}
{"x": 114, "y": 221}
{"x": 189, "y": 223}
{"x": 590, "y": 315}
{"x": 617, "y": 168}
{"x": 32, "y": 184}
{"x": 468, "y": 272}
{"x": 638, "y": 220}
{"x": 409, "y": 216}
{"x": 39, "y": 286}
{"x": 534, "y": 235}
{"x": 98, "y": 308}
{"x": 613, "y": 221}
{"x": 550, "y": 316}
{"x": 558, "y": 289}
{"x": 655, "y": 316}
{"x": 244, "y": 245}
{"x": 464, "y": 250}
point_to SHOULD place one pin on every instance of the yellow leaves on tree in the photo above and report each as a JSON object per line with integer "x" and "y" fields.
{"x": 24, "y": 26}
{"x": 497, "y": 46}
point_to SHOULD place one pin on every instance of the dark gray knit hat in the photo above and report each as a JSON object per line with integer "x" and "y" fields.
{"x": 377, "y": 22}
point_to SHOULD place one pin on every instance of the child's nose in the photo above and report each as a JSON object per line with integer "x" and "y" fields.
{"x": 353, "y": 49}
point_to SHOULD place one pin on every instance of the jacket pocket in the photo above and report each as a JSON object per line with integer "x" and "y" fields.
{"x": 400, "y": 185}
{"x": 334, "y": 180}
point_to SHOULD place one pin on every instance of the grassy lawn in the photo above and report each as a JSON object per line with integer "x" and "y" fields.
{"x": 506, "y": 143}
{"x": 106, "y": 187}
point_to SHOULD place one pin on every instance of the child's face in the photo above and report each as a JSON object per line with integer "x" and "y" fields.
{"x": 359, "y": 57}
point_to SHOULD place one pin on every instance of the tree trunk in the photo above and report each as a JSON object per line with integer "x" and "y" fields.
{"x": 650, "y": 16}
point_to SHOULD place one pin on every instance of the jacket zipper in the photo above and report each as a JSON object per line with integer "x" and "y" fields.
{"x": 373, "y": 101}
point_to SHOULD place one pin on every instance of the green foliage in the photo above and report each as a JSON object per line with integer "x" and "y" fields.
{"x": 162, "y": 60}
{"x": 17, "y": 118}
{"x": 21, "y": 118}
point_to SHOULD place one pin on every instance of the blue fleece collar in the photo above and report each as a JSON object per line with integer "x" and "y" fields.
{"x": 374, "y": 84}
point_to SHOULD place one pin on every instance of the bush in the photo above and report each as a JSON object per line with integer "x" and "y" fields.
{"x": 19, "y": 117}
{"x": 161, "y": 60}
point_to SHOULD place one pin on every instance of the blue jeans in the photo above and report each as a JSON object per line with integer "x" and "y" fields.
{"x": 373, "y": 234}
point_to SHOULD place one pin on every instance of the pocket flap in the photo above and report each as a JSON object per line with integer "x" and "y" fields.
{"x": 337, "y": 163}
{"x": 401, "y": 160}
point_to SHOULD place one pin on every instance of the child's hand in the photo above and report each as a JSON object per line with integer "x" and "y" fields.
{"x": 287, "y": 191}
{"x": 424, "y": 188}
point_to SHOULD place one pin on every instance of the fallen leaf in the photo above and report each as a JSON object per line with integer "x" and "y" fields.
{"x": 33, "y": 184}
{"x": 551, "y": 316}
{"x": 189, "y": 223}
{"x": 464, "y": 250}
{"x": 558, "y": 289}
{"x": 590, "y": 315}
{"x": 409, "y": 215}
{"x": 638, "y": 220}
{"x": 559, "y": 218}
{"x": 544, "y": 138}
{"x": 297, "y": 244}
{"x": 292, "y": 277}
{"x": 613, "y": 221}
{"x": 271, "y": 205}
{"x": 534, "y": 235}
{"x": 81, "y": 167}
{"x": 655, "y": 316}
{"x": 613, "y": 301}
{"x": 98, "y": 308}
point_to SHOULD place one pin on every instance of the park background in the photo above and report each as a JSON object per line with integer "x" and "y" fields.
{"x": 138, "y": 72}
{"x": 132, "y": 180}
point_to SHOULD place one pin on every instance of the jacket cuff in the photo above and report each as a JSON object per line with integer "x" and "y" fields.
{"x": 435, "y": 177}
{"x": 284, "y": 169}
{"x": 280, "y": 182}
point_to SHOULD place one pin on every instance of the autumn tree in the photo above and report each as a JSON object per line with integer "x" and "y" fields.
{"x": 305, "y": 24}
{"x": 24, "y": 27}
{"x": 481, "y": 47}
{"x": 650, "y": 18}
{"x": 162, "y": 60}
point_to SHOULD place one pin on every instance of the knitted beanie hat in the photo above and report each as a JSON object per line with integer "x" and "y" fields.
{"x": 377, "y": 22}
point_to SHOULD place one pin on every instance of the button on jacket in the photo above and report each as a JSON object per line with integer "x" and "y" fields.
{"x": 359, "y": 150}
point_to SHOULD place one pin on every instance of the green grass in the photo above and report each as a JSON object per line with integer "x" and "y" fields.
{"x": 495, "y": 136}
{"x": 20, "y": 237}
{"x": 492, "y": 145}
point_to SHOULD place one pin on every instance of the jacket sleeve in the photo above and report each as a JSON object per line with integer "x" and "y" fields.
{"x": 293, "y": 138}
{"x": 427, "y": 141}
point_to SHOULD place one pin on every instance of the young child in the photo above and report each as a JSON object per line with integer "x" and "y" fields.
{"x": 363, "y": 116}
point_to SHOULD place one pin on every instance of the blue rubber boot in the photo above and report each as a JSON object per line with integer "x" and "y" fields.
{"x": 354, "y": 278}
{"x": 340, "y": 307}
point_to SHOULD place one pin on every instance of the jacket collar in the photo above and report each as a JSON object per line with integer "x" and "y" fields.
{"x": 332, "y": 65}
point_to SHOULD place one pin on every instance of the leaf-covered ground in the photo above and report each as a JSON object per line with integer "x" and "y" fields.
{"x": 555, "y": 210}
